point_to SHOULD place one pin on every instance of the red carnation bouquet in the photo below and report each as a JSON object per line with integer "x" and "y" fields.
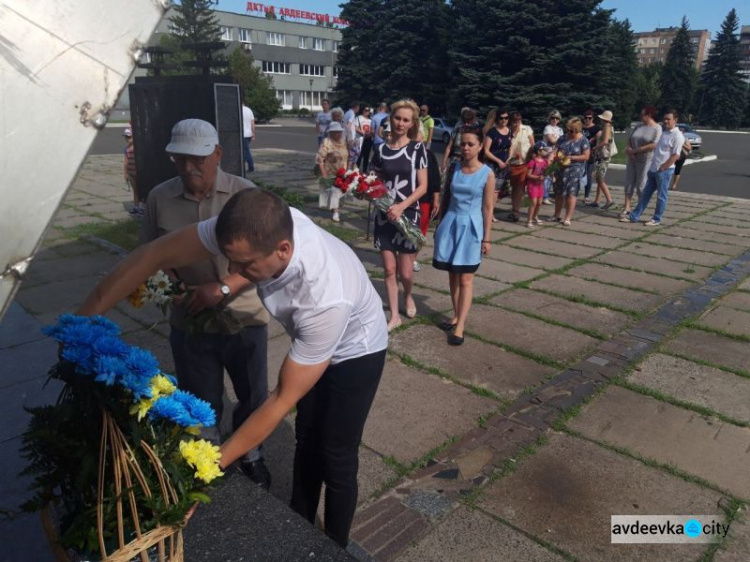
{"x": 372, "y": 189}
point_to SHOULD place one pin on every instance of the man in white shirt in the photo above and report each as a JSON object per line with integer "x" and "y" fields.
{"x": 666, "y": 153}
{"x": 248, "y": 134}
{"x": 317, "y": 288}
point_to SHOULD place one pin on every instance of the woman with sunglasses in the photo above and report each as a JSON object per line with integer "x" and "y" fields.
{"x": 496, "y": 147}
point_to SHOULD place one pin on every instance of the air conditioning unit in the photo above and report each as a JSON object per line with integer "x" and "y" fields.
{"x": 247, "y": 46}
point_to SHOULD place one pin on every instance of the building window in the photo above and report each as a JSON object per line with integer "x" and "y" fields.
{"x": 226, "y": 33}
{"x": 285, "y": 97}
{"x": 663, "y": 41}
{"x": 335, "y": 46}
{"x": 244, "y": 35}
{"x": 278, "y": 39}
{"x": 270, "y": 67}
{"x": 303, "y": 43}
{"x": 319, "y": 44}
{"x": 335, "y": 71}
{"x": 311, "y": 70}
{"x": 311, "y": 100}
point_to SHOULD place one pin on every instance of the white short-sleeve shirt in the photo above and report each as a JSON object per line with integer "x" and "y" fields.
{"x": 670, "y": 143}
{"x": 324, "y": 298}
{"x": 247, "y": 121}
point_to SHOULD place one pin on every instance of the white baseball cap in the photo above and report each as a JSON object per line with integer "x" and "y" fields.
{"x": 335, "y": 127}
{"x": 193, "y": 137}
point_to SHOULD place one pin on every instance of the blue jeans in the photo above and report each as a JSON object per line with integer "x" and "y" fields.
{"x": 589, "y": 178}
{"x": 659, "y": 182}
{"x": 248, "y": 156}
{"x": 548, "y": 187}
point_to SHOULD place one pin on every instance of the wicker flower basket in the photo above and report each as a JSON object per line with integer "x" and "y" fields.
{"x": 164, "y": 541}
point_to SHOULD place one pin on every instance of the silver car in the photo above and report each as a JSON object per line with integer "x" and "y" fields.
{"x": 690, "y": 135}
{"x": 442, "y": 131}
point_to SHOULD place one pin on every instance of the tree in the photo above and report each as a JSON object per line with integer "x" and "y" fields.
{"x": 256, "y": 88}
{"x": 356, "y": 79}
{"x": 722, "y": 88}
{"x": 647, "y": 89}
{"x": 195, "y": 22}
{"x": 617, "y": 81}
{"x": 550, "y": 54}
{"x": 678, "y": 76}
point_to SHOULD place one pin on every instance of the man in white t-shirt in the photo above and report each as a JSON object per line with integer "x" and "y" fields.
{"x": 317, "y": 288}
{"x": 666, "y": 153}
{"x": 248, "y": 134}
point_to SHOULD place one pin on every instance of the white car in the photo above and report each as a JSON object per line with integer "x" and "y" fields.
{"x": 690, "y": 135}
{"x": 442, "y": 131}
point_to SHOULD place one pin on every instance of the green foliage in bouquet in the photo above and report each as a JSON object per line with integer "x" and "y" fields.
{"x": 116, "y": 406}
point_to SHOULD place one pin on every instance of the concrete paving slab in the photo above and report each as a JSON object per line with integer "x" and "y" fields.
{"x": 14, "y": 488}
{"x": 18, "y": 327}
{"x": 436, "y": 279}
{"x": 530, "y": 259}
{"x": 691, "y": 233}
{"x": 414, "y": 412}
{"x": 32, "y": 392}
{"x": 676, "y": 254}
{"x": 553, "y": 247}
{"x": 23, "y": 538}
{"x": 697, "y": 384}
{"x": 477, "y": 363}
{"x": 278, "y": 347}
{"x": 611, "y": 231}
{"x": 600, "y": 319}
{"x": 631, "y": 279}
{"x": 654, "y": 265}
{"x": 562, "y": 234}
{"x": 613, "y": 222}
{"x": 63, "y": 269}
{"x": 598, "y": 293}
{"x": 373, "y": 474}
{"x": 738, "y": 299}
{"x": 705, "y": 447}
{"x": 428, "y": 302}
{"x": 692, "y": 243}
{"x": 727, "y": 319}
{"x": 737, "y": 546}
{"x": 731, "y": 215}
{"x": 745, "y": 285}
{"x": 566, "y": 493}
{"x": 529, "y": 334}
{"x": 713, "y": 348}
{"x": 473, "y": 535}
{"x": 77, "y": 248}
{"x": 721, "y": 229}
{"x": 78, "y": 220}
{"x": 371, "y": 260}
{"x": 723, "y": 222}
{"x": 507, "y": 272}
{"x": 95, "y": 208}
{"x": 28, "y": 360}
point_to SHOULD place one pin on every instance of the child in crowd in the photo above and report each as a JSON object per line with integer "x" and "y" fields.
{"x": 128, "y": 172}
{"x": 535, "y": 182}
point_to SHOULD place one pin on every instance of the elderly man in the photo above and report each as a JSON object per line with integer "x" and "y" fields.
{"x": 666, "y": 153}
{"x": 222, "y": 324}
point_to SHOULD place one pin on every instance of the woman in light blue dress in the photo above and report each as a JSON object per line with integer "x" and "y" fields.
{"x": 463, "y": 235}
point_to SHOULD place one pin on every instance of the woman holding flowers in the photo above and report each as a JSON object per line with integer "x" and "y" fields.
{"x": 401, "y": 163}
{"x": 332, "y": 156}
{"x": 572, "y": 155}
{"x": 463, "y": 235}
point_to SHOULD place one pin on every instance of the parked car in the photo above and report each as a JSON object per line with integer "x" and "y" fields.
{"x": 690, "y": 135}
{"x": 442, "y": 131}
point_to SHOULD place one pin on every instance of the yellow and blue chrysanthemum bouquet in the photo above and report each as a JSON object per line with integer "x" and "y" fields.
{"x": 118, "y": 454}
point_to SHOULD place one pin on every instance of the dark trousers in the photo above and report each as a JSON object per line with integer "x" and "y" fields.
{"x": 249, "y": 165}
{"x": 330, "y": 421}
{"x": 200, "y": 361}
{"x": 363, "y": 162}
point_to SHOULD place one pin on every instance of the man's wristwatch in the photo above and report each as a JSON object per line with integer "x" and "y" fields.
{"x": 225, "y": 290}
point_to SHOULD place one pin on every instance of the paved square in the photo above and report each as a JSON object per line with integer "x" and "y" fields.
{"x": 654, "y": 265}
{"x": 733, "y": 321}
{"x": 598, "y": 292}
{"x": 631, "y": 279}
{"x": 713, "y": 348}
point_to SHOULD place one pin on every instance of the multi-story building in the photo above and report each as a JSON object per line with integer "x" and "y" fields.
{"x": 745, "y": 52}
{"x": 300, "y": 57}
{"x": 653, "y": 46}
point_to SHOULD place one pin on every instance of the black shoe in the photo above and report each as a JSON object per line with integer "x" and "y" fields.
{"x": 257, "y": 472}
{"x": 512, "y": 217}
{"x": 453, "y": 339}
{"x": 446, "y": 326}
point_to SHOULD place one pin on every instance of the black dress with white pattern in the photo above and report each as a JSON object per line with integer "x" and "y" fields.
{"x": 398, "y": 170}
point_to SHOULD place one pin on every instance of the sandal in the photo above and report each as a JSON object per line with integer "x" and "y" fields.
{"x": 392, "y": 327}
{"x": 554, "y": 219}
{"x": 566, "y": 223}
{"x": 411, "y": 311}
{"x": 608, "y": 205}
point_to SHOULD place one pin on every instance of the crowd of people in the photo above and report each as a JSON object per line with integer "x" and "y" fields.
{"x": 480, "y": 165}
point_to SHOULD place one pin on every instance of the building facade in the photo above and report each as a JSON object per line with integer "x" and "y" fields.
{"x": 299, "y": 57}
{"x": 745, "y": 52}
{"x": 653, "y": 46}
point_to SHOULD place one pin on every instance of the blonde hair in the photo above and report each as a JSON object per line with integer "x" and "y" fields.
{"x": 574, "y": 123}
{"x": 413, "y": 132}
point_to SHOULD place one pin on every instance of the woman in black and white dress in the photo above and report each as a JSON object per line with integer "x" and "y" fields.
{"x": 401, "y": 163}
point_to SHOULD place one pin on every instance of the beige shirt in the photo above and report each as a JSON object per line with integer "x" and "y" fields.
{"x": 170, "y": 207}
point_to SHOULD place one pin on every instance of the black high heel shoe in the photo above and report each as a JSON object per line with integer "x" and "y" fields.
{"x": 453, "y": 339}
{"x": 446, "y": 326}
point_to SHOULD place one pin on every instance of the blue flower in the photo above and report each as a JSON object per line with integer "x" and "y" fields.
{"x": 142, "y": 362}
{"x": 166, "y": 408}
{"x": 81, "y": 356}
{"x": 111, "y": 345}
{"x": 136, "y": 383}
{"x": 184, "y": 409}
{"x": 106, "y": 324}
{"x": 110, "y": 370}
{"x": 200, "y": 410}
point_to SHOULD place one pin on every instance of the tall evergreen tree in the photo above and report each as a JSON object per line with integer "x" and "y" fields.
{"x": 647, "y": 90}
{"x": 618, "y": 82}
{"x": 534, "y": 56}
{"x": 722, "y": 89}
{"x": 678, "y": 76}
{"x": 356, "y": 79}
{"x": 194, "y": 22}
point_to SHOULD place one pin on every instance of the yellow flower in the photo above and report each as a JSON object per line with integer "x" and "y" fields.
{"x": 161, "y": 386}
{"x": 142, "y": 407}
{"x": 136, "y": 297}
{"x": 204, "y": 457}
